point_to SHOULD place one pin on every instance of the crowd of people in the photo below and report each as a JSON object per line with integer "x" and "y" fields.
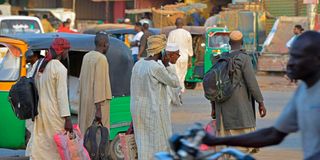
{"x": 157, "y": 84}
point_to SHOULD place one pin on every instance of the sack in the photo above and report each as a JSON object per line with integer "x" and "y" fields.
{"x": 70, "y": 145}
{"x": 23, "y": 97}
{"x": 128, "y": 146}
{"x": 96, "y": 141}
{"x": 218, "y": 82}
{"x": 210, "y": 128}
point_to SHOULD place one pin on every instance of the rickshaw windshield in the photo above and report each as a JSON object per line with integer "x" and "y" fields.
{"x": 9, "y": 64}
{"x": 14, "y": 26}
{"x": 218, "y": 41}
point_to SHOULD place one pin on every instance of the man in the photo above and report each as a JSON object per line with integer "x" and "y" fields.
{"x": 33, "y": 59}
{"x": 237, "y": 114}
{"x": 297, "y": 30}
{"x": 172, "y": 51}
{"x": 144, "y": 41}
{"x": 65, "y": 27}
{"x": 53, "y": 108}
{"x": 47, "y": 27}
{"x": 136, "y": 41}
{"x": 184, "y": 40}
{"x": 149, "y": 100}
{"x": 95, "y": 89}
{"x": 302, "y": 111}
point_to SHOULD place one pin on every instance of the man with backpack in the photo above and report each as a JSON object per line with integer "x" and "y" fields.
{"x": 54, "y": 113}
{"x": 233, "y": 101}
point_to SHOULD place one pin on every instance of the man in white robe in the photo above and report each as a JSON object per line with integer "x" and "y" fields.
{"x": 150, "y": 108}
{"x": 53, "y": 108}
{"x": 183, "y": 38}
{"x": 172, "y": 50}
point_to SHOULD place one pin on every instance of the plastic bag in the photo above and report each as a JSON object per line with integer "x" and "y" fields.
{"x": 128, "y": 146}
{"x": 70, "y": 145}
{"x": 211, "y": 129}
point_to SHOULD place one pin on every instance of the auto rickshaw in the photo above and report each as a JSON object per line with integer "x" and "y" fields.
{"x": 13, "y": 66}
{"x": 207, "y": 43}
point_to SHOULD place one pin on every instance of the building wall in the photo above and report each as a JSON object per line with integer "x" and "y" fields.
{"x": 88, "y": 10}
{"x": 118, "y": 12}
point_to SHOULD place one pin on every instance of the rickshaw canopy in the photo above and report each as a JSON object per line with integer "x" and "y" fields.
{"x": 101, "y": 27}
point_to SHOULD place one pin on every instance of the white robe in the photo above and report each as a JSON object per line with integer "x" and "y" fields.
{"x": 150, "y": 108}
{"x": 184, "y": 40}
{"x": 53, "y": 106}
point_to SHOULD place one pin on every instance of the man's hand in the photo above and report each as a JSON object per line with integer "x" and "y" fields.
{"x": 262, "y": 110}
{"x": 165, "y": 60}
{"x": 68, "y": 124}
{"x": 98, "y": 115}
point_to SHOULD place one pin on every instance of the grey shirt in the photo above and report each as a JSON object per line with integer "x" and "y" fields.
{"x": 303, "y": 113}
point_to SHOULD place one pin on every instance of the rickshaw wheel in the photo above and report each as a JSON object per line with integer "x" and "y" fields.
{"x": 190, "y": 85}
{"x": 115, "y": 149}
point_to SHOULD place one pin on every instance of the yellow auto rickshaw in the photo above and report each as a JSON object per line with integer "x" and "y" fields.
{"x": 12, "y": 67}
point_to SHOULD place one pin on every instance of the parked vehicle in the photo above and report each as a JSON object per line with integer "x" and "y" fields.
{"x": 20, "y": 24}
{"x": 13, "y": 66}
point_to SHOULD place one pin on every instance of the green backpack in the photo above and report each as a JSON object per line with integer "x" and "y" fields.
{"x": 218, "y": 82}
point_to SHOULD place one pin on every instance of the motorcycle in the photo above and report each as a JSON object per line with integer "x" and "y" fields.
{"x": 187, "y": 147}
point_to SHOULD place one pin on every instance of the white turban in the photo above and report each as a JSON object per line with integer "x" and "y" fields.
{"x": 172, "y": 47}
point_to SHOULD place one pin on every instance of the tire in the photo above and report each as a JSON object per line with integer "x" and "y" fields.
{"x": 115, "y": 149}
{"x": 190, "y": 85}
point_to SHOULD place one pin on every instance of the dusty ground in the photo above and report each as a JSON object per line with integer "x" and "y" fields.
{"x": 275, "y": 82}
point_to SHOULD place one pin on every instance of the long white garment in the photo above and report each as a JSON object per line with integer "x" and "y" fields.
{"x": 53, "y": 106}
{"x": 174, "y": 97}
{"x": 150, "y": 108}
{"x": 29, "y": 123}
{"x": 184, "y": 40}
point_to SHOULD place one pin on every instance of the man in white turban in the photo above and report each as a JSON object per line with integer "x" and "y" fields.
{"x": 150, "y": 107}
{"x": 172, "y": 50}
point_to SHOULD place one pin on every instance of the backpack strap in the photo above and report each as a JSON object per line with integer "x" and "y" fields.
{"x": 35, "y": 92}
{"x": 37, "y": 67}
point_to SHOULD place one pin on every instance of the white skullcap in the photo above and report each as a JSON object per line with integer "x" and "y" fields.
{"x": 172, "y": 47}
{"x": 127, "y": 20}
